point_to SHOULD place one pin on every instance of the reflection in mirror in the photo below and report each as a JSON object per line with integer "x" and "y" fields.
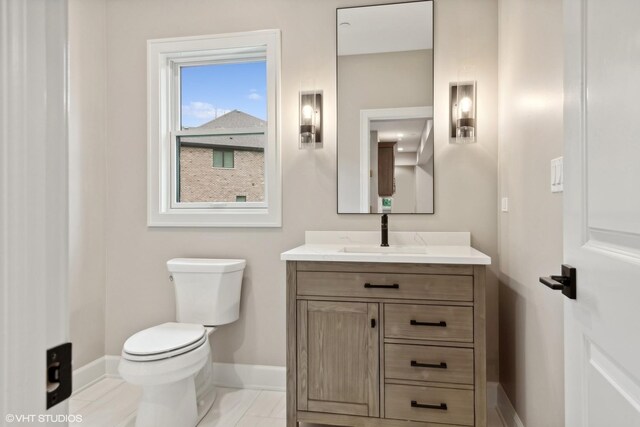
{"x": 385, "y": 108}
{"x": 401, "y": 161}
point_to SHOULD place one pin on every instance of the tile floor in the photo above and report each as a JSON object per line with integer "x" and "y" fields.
{"x": 112, "y": 403}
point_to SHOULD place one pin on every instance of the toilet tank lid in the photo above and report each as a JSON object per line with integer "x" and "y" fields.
{"x": 204, "y": 265}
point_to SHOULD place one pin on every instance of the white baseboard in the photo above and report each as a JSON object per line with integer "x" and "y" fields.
{"x": 506, "y": 410}
{"x": 492, "y": 394}
{"x": 257, "y": 377}
{"x": 111, "y": 366}
{"x": 88, "y": 374}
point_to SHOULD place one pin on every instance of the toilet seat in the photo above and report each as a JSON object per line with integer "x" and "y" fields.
{"x": 164, "y": 341}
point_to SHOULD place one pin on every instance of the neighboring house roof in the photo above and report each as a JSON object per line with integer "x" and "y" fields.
{"x": 232, "y": 120}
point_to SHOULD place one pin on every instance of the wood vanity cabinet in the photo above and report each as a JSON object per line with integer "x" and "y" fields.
{"x": 385, "y": 345}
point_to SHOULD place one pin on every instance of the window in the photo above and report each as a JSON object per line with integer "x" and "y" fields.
{"x": 213, "y": 105}
{"x": 222, "y": 158}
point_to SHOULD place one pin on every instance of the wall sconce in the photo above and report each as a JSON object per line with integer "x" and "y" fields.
{"x": 462, "y": 108}
{"x": 310, "y": 118}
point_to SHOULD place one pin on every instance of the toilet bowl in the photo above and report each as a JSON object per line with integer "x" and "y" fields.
{"x": 172, "y": 361}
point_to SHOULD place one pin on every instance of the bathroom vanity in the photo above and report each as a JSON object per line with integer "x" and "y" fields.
{"x": 386, "y": 336}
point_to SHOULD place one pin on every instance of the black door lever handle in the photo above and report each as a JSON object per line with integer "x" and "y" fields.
{"x": 554, "y": 282}
{"x": 565, "y": 283}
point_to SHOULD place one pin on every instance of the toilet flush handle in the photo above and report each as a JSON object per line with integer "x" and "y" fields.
{"x": 171, "y": 277}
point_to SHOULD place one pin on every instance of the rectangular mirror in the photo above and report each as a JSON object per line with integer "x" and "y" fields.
{"x": 385, "y": 108}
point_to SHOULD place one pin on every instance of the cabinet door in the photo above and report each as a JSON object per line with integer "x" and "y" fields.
{"x": 338, "y": 357}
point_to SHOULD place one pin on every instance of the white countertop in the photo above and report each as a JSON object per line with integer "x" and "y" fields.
{"x": 434, "y": 248}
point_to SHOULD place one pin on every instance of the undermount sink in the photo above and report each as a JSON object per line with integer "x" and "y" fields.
{"x": 372, "y": 249}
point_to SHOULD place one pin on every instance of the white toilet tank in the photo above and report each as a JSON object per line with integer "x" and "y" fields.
{"x": 207, "y": 290}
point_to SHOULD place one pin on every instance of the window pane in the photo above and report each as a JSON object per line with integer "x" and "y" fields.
{"x": 217, "y": 159}
{"x": 238, "y": 167}
{"x": 209, "y": 92}
{"x": 227, "y": 103}
{"x": 228, "y": 159}
{"x": 241, "y": 198}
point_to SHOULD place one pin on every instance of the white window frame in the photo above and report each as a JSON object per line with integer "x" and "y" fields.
{"x": 164, "y": 58}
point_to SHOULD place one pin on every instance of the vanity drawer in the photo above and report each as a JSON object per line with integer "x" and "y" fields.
{"x": 428, "y": 322}
{"x": 430, "y": 404}
{"x": 428, "y": 363}
{"x": 381, "y": 285}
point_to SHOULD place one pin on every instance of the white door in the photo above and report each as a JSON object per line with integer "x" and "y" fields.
{"x": 602, "y": 212}
{"x": 33, "y": 205}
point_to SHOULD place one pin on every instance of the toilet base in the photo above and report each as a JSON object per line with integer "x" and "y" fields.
{"x": 176, "y": 392}
{"x": 205, "y": 390}
{"x": 168, "y": 405}
{"x": 205, "y": 403}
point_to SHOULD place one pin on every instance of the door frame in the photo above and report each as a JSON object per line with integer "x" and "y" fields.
{"x": 366, "y": 116}
{"x": 575, "y": 230}
{"x": 33, "y": 200}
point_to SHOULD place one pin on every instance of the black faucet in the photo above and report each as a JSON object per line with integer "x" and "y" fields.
{"x": 384, "y": 230}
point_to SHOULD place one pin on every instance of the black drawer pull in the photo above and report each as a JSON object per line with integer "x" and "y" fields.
{"x": 441, "y": 407}
{"x": 440, "y": 324}
{"x": 440, "y": 365}
{"x": 370, "y": 286}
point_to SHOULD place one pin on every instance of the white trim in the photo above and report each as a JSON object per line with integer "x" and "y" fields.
{"x": 506, "y": 410}
{"x": 365, "y": 152}
{"x": 163, "y": 56}
{"x": 492, "y": 394}
{"x": 233, "y": 375}
{"x": 257, "y": 377}
{"x": 33, "y": 200}
{"x": 111, "y": 366}
{"x": 88, "y": 374}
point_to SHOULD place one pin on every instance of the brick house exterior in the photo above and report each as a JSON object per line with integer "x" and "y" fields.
{"x": 201, "y": 181}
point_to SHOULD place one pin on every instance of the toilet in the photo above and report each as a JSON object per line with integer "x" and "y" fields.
{"x": 172, "y": 361}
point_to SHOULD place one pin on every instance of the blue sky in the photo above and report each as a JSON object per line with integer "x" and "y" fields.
{"x": 208, "y": 90}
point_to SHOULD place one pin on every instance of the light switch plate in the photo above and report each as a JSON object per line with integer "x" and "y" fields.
{"x": 505, "y": 204}
{"x": 557, "y": 175}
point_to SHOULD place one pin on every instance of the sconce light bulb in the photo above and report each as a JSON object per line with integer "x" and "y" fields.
{"x": 466, "y": 104}
{"x": 307, "y": 112}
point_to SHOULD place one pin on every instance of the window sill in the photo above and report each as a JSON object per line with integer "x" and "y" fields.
{"x": 207, "y": 218}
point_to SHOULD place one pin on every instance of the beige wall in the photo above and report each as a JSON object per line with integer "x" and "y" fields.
{"x": 87, "y": 177}
{"x": 424, "y": 174}
{"x": 139, "y": 293}
{"x": 404, "y": 199}
{"x": 531, "y": 316}
{"x": 465, "y": 176}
